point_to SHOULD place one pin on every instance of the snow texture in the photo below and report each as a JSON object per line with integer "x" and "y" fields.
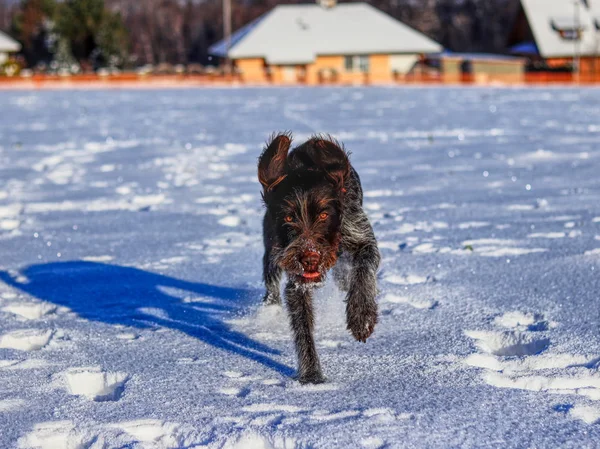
{"x": 130, "y": 278}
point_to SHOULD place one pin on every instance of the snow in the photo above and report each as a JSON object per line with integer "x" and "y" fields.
{"x": 130, "y": 278}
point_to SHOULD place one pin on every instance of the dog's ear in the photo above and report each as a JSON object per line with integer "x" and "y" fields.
{"x": 333, "y": 159}
{"x": 271, "y": 164}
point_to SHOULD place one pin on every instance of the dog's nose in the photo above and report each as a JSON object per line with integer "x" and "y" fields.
{"x": 310, "y": 261}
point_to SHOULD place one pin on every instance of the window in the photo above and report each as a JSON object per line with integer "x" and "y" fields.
{"x": 570, "y": 35}
{"x": 356, "y": 63}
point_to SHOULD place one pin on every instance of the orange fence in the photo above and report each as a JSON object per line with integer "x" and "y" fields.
{"x": 133, "y": 80}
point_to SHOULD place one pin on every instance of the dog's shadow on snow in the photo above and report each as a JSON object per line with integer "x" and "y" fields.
{"x": 131, "y": 297}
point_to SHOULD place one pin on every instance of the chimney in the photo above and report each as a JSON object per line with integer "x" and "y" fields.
{"x": 327, "y": 4}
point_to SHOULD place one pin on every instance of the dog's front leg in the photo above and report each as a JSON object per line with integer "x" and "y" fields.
{"x": 361, "y": 308}
{"x": 300, "y": 307}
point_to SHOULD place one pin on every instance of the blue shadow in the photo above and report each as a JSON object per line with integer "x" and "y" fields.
{"x": 131, "y": 297}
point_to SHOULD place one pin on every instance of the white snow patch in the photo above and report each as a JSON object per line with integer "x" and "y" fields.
{"x": 499, "y": 248}
{"x": 28, "y": 364}
{"x": 8, "y": 405}
{"x": 231, "y": 221}
{"x": 519, "y": 319}
{"x": 30, "y": 311}
{"x": 148, "y": 200}
{"x": 372, "y": 443}
{"x": 520, "y": 207}
{"x": 9, "y": 224}
{"x": 326, "y": 417}
{"x": 264, "y": 408}
{"x": 538, "y": 362}
{"x": 11, "y": 210}
{"x": 95, "y": 384}
{"x": 54, "y": 435}
{"x": 254, "y": 440}
{"x": 26, "y": 340}
{"x": 425, "y": 248}
{"x": 159, "y": 434}
{"x": 232, "y": 391}
{"x": 104, "y": 258}
{"x": 508, "y": 343}
{"x": 473, "y": 224}
{"x": 547, "y": 235}
{"x": 589, "y": 414}
{"x": 406, "y": 279}
{"x": 417, "y": 304}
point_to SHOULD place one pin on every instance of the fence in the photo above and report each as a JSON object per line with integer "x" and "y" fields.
{"x": 133, "y": 80}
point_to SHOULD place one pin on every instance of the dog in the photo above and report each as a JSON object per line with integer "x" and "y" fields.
{"x": 314, "y": 222}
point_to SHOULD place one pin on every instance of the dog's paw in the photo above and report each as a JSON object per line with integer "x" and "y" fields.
{"x": 362, "y": 324}
{"x": 311, "y": 378}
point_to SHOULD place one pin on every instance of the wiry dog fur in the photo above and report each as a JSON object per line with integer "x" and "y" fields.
{"x": 315, "y": 222}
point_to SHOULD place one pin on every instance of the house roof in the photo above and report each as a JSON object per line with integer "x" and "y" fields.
{"x": 8, "y": 44}
{"x": 552, "y": 20}
{"x": 524, "y": 48}
{"x": 296, "y": 34}
{"x": 476, "y": 57}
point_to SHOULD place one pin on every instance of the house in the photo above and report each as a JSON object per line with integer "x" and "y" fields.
{"x": 480, "y": 68}
{"x": 326, "y": 42}
{"x": 558, "y": 33}
{"x": 7, "y": 46}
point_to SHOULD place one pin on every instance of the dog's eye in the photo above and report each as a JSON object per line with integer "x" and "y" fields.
{"x": 323, "y": 215}
{"x": 288, "y": 218}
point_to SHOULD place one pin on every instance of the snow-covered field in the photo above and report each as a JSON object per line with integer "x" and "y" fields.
{"x": 130, "y": 235}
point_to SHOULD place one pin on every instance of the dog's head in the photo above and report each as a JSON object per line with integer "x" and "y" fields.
{"x": 303, "y": 192}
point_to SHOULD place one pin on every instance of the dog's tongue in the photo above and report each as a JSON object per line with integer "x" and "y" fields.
{"x": 313, "y": 275}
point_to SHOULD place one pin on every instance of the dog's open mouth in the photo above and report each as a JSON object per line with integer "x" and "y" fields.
{"x": 311, "y": 276}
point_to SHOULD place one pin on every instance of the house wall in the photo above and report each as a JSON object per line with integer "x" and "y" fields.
{"x": 502, "y": 71}
{"x": 402, "y": 64}
{"x": 380, "y": 69}
{"x": 314, "y": 71}
{"x": 587, "y": 65}
{"x": 451, "y": 70}
{"x": 483, "y": 71}
{"x": 326, "y": 69}
{"x": 252, "y": 70}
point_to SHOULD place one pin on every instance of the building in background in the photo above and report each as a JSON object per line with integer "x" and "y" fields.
{"x": 556, "y": 34}
{"x": 480, "y": 68}
{"x": 326, "y": 42}
{"x": 7, "y": 46}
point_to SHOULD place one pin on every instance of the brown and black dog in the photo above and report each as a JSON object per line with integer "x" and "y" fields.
{"x": 315, "y": 222}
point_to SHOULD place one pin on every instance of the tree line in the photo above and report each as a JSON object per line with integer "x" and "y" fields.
{"x": 96, "y": 33}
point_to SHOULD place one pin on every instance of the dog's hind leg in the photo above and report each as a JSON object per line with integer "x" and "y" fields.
{"x": 300, "y": 307}
{"x": 271, "y": 271}
{"x": 341, "y": 272}
{"x": 272, "y": 279}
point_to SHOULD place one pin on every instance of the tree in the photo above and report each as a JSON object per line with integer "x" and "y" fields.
{"x": 95, "y": 33}
{"x": 33, "y": 26}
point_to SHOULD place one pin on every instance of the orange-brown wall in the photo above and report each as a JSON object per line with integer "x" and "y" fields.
{"x": 252, "y": 70}
{"x": 322, "y": 63}
{"x": 587, "y": 64}
{"x": 380, "y": 70}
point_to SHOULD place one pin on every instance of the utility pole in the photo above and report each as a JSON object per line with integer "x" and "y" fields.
{"x": 227, "y": 34}
{"x": 579, "y": 35}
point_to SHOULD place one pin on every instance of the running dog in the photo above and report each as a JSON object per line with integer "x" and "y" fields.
{"x": 315, "y": 222}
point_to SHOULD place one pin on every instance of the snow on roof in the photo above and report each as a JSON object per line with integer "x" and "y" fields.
{"x": 295, "y": 34}
{"x": 8, "y": 44}
{"x": 551, "y": 20}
